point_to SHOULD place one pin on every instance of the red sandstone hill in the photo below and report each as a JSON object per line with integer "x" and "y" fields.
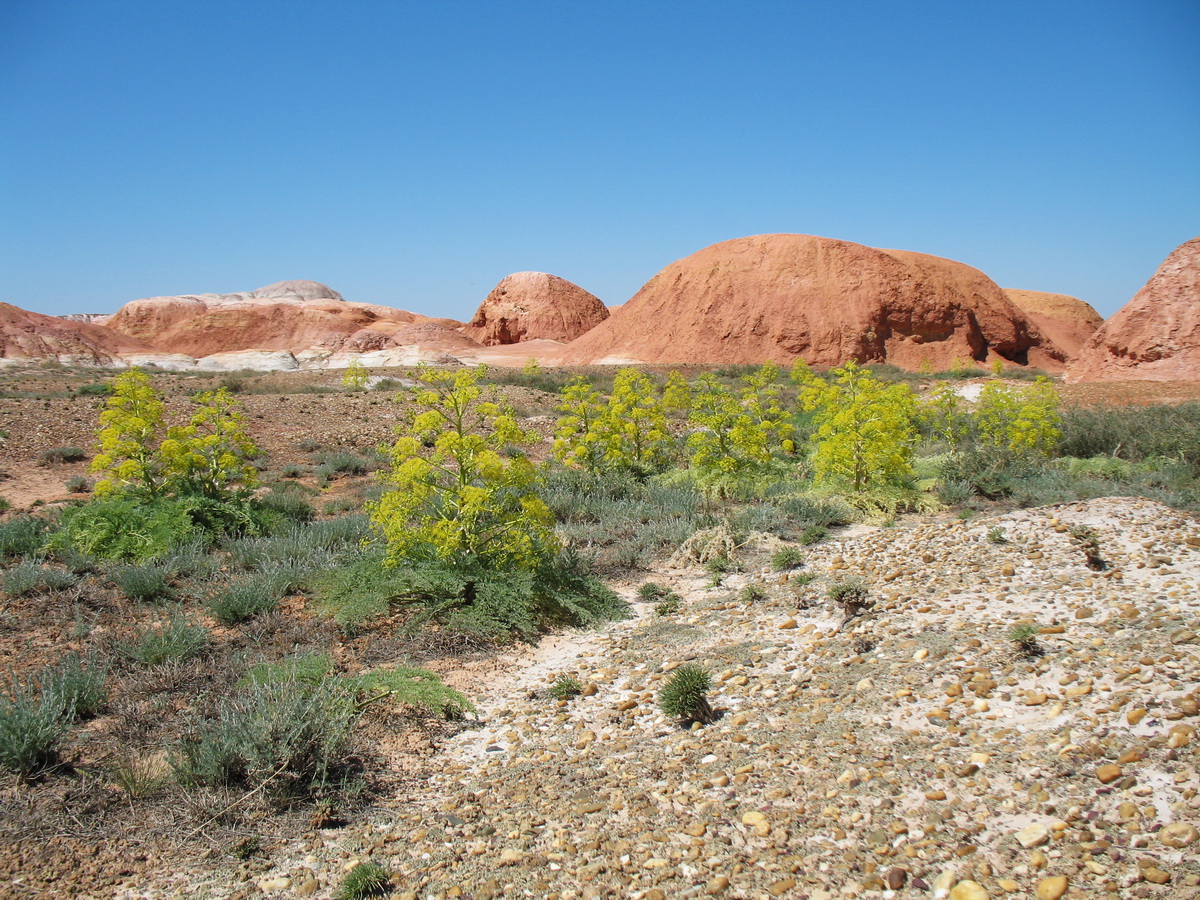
{"x": 289, "y": 315}
{"x": 782, "y": 296}
{"x": 32, "y": 336}
{"x": 1156, "y": 335}
{"x": 529, "y": 306}
{"x": 1066, "y": 320}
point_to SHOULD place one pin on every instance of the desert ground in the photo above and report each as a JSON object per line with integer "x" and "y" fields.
{"x": 913, "y": 750}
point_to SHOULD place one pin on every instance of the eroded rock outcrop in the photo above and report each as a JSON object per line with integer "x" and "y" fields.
{"x": 528, "y": 306}
{"x": 1156, "y": 335}
{"x": 31, "y": 337}
{"x": 1066, "y": 320}
{"x": 291, "y": 316}
{"x": 782, "y": 296}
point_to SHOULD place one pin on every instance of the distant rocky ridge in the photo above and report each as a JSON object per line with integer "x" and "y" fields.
{"x": 1156, "y": 335}
{"x": 782, "y": 296}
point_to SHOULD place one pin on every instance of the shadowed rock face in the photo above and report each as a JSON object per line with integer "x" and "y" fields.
{"x": 1067, "y": 321}
{"x": 28, "y": 335}
{"x": 529, "y": 306}
{"x": 782, "y": 296}
{"x": 1156, "y": 335}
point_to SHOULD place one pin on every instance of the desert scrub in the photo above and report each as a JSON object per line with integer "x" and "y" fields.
{"x": 365, "y": 880}
{"x": 57, "y": 455}
{"x": 78, "y": 484}
{"x": 32, "y": 575}
{"x": 668, "y": 604}
{"x": 996, "y": 535}
{"x": 244, "y": 599}
{"x": 813, "y": 534}
{"x": 652, "y": 590}
{"x": 752, "y": 593}
{"x": 145, "y": 583}
{"x": 785, "y": 559}
{"x": 565, "y": 687}
{"x": 685, "y": 695}
{"x": 36, "y": 712}
{"x": 851, "y": 595}
{"x": 22, "y": 536}
{"x": 171, "y": 639}
{"x": 287, "y": 738}
{"x": 80, "y": 681}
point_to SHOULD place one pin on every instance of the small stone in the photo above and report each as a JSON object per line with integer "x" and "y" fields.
{"x": 1007, "y": 570}
{"x": 895, "y": 878}
{"x": 781, "y": 887}
{"x": 1008, "y": 885}
{"x": 1178, "y": 835}
{"x": 1155, "y": 875}
{"x": 1134, "y": 716}
{"x": 1035, "y": 698}
{"x": 1033, "y": 835}
{"x": 940, "y": 889}
{"x": 1183, "y": 636}
{"x": 307, "y": 887}
{"x": 1108, "y": 773}
{"x": 591, "y": 689}
{"x": 510, "y": 856}
{"x": 935, "y": 795}
{"x": 1052, "y": 888}
{"x": 716, "y": 885}
{"x": 274, "y": 884}
{"x": 696, "y": 829}
{"x": 968, "y": 890}
{"x": 787, "y": 624}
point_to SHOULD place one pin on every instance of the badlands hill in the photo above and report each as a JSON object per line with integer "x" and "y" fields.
{"x": 1156, "y": 335}
{"x": 30, "y": 336}
{"x": 1066, "y": 320}
{"x": 535, "y": 305}
{"x": 782, "y": 296}
{"x": 291, "y": 316}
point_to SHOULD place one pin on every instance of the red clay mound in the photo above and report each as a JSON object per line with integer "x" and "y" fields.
{"x": 1156, "y": 335}
{"x": 782, "y": 296}
{"x": 1066, "y": 320}
{"x": 33, "y": 336}
{"x": 528, "y": 306}
{"x": 290, "y": 315}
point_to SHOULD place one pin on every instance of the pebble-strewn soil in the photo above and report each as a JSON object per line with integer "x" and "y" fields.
{"x": 914, "y": 753}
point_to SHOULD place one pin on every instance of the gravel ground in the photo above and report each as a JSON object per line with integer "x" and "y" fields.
{"x": 916, "y": 752}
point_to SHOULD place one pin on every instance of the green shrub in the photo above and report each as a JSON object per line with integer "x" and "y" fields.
{"x": 97, "y": 389}
{"x": 288, "y": 506}
{"x": 243, "y": 599}
{"x": 287, "y": 738}
{"x": 669, "y": 604}
{"x": 305, "y": 668}
{"x": 292, "y": 470}
{"x": 847, "y": 591}
{"x": 417, "y": 689}
{"x": 308, "y": 445}
{"x": 803, "y": 578}
{"x": 61, "y": 455}
{"x": 652, "y": 590}
{"x": 21, "y": 536}
{"x": 565, "y": 687}
{"x": 190, "y": 560}
{"x": 32, "y": 575}
{"x": 684, "y": 696}
{"x": 80, "y": 682}
{"x": 33, "y": 721}
{"x": 5, "y": 506}
{"x": 144, "y": 583}
{"x": 343, "y": 462}
{"x": 1025, "y": 638}
{"x": 493, "y": 604}
{"x": 752, "y": 593}
{"x": 79, "y": 484}
{"x": 123, "y": 527}
{"x": 785, "y": 559}
{"x": 813, "y": 534}
{"x": 170, "y": 640}
{"x": 817, "y": 510}
{"x": 365, "y": 880}
{"x": 996, "y": 535}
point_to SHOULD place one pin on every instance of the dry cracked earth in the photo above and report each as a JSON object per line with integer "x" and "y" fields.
{"x": 916, "y": 752}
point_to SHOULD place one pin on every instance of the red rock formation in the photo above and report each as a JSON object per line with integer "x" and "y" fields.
{"x": 291, "y": 315}
{"x": 1066, "y": 320}
{"x": 782, "y": 296}
{"x": 527, "y": 306}
{"x": 32, "y": 336}
{"x": 1156, "y": 335}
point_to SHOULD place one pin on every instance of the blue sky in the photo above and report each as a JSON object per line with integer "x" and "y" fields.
{"x": 413, "y": 154}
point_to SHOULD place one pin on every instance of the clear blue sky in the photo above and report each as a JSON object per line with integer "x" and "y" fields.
{"x": 414, "y": 153}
